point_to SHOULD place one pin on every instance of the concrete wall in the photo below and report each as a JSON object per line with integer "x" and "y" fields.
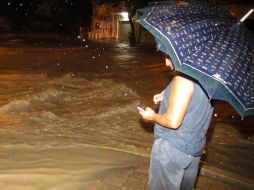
{"x": 124, "y": 29}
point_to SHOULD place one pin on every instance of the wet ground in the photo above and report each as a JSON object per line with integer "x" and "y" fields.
{"x": 68, "y": 118}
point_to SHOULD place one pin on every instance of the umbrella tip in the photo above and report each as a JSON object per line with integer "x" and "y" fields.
{"x": 247, "y": 15}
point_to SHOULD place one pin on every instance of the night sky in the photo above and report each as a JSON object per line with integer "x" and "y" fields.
{"x": 18, "y": 8}
{"x": 54, "y": 14}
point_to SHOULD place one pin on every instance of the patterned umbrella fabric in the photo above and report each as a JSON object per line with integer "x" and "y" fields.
{"x": 208, "y": 44}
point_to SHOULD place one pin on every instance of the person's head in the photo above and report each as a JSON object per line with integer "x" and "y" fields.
{"x": 169, "y": 63}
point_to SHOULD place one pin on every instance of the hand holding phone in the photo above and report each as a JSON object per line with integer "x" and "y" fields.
{"x": 146, "y": 112}
{"x": 141, "y": 108}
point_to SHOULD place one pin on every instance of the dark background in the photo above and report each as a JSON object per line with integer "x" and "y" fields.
{"x": 65, "y": 15}
{"x": 45, "y": 15}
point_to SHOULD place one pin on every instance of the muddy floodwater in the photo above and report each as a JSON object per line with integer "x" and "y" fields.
{"x": 68, "y": 118}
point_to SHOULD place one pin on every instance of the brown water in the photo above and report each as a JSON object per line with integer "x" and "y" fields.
{"x": 68, "y": 118}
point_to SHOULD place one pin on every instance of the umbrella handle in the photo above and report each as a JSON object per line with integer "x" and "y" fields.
{"x": 246, "y": 15}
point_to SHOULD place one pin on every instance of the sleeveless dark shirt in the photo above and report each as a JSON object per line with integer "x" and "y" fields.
{"x": 190, "y": 137}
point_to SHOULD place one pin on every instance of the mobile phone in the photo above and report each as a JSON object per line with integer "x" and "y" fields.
{"x": 141, "y": 108}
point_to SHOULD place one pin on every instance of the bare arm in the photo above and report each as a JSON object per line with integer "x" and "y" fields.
{"x": 179, "y": 100}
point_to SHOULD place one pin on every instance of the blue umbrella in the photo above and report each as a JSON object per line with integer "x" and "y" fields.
{"x": 208, "y": 44}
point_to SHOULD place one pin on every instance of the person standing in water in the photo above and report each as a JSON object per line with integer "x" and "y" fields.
{"x": 179, "y": 133}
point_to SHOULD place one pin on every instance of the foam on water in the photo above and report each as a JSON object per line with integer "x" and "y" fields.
{"x": 15, "y": 105}
{"x": 69, "y": 106}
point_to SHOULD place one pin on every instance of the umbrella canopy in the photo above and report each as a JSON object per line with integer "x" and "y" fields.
{"x": 208, "y": 44}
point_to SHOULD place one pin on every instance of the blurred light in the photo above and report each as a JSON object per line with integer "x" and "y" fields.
{"x": 124, "y": 16}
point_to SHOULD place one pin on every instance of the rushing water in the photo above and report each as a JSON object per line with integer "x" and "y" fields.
{"x": 68, "y": 118}
{"x": 66, "y": 95}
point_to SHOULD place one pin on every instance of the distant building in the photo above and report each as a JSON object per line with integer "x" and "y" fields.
{"x": 110, "y": 22}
